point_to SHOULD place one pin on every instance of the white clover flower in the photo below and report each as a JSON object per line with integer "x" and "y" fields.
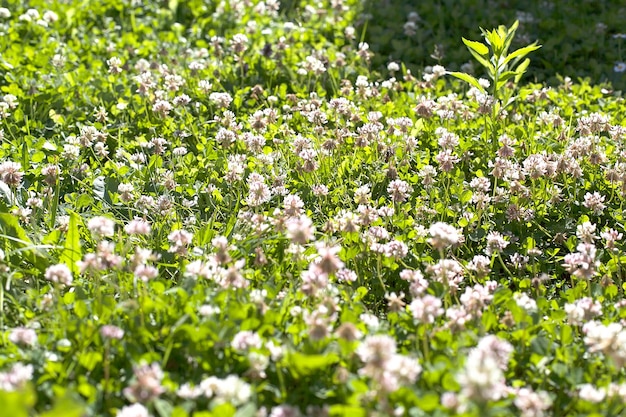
{"x": 482, "y": 378}
{"x": 30, "y": 15}
{"x": 443, "y": 235}
{"x": 50, "y": 17}
{"x": 393, "y": 67}
{"x": 114, "y": 64}
{"x": 495, "y": 243}
{"x": 370, "y": 320}
{"x": 207, "y": 310}
{"x": 258, "y": 363}
{"x": 16, "y": 377}
{"x": 239, "y": 43}
{"x": 245, "y": 340}
{"x": 23, "y": 336}
{"x": 101, "y": 226}
{"x": 146, "y": 272}
{"x": 146, "y": 384}
{"x": 110, "y": 331}
{"x": 180, "y": 240}
{"x": 134, "y": 410}
{"x": 59, "y": 273}
{"x": 582, "y": 310}
{"x": 222, "y": 100}
{"x": 233, "y": 390}
{"x": 426, "y": 309}
{"x": 531, "y": 403}
{"x": 484, "y": 83}
{"x": 376, "y": 350}
{"x": 586, "y": 232}
{"x": 11, "y": 173}
{"x": 399, "y": 190}
{"x": 525, "y": 302}
{"x": 300, "y": 230}
{"x": 590, "y": 393}
{"x": 162, "y": 107}
{"x": 438, "y": 71}
{"x": 188, "y": 392}
{"x": 594, "y": 202}
{"x": 583, "y": 263}
{"x": 349, "y": 32}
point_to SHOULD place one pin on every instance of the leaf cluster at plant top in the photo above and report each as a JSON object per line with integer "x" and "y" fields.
{"x": 580, "y": 39}
{"x": 230, "y": 209}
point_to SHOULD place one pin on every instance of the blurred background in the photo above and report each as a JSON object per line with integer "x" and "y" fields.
{"x": 582, "y": 38}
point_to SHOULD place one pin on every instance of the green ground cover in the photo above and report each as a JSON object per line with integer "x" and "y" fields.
{"x": 254, "y": 208}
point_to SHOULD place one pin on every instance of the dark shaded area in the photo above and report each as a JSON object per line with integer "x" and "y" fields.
{"x": 578, "y": 37}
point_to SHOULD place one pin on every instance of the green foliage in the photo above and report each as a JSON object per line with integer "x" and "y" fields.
{"x": 224, "y": 208}
{"x": 501, "y": 66}
{"x": 18, "y": 244}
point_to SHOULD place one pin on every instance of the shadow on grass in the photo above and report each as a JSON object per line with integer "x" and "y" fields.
{"x": 578, "y": 38}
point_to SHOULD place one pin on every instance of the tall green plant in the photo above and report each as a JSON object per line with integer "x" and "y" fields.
{"x": 493, "y": 55}
{"x": 501, "y": 67}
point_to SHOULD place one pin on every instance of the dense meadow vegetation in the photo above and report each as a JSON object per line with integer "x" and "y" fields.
{"x": 334, "y": 208}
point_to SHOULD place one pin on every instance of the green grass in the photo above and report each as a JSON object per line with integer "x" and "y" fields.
{"x": 231, "y": 209}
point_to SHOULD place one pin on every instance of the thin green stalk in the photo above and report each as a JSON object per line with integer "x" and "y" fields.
{"x": 106, "y": 368}
{"x": 281, "y": 383}
{"x": 426, "y": 348}
{"x": 1, "y": 305}
{"x": 379, "y": 274}
{"x": 499, "y": 256}
{"x": 55, "y": 203}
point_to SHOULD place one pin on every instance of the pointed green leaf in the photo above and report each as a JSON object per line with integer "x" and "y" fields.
{"x": 179, "y": 411}
{"x": 17, "y": 403}
{"x": 495, "y": 41}
{"x": 52, "y": 238}
{"x": 6, "y": 193}
{"x": 223, "y": 410}
{"x": 504, "y": 78}
{"x": 521, "y": 52}
{"x": 303, "y": 365}
{"x": 465, "y": 196}
{"x": 65, "y": 407}
{"x": 508, "y": 37}
{"x": 521, "y": 69}
{"x": 510, "y": 101}
{"x": 11, "y": 226}
{"x": 485, "y": 33}
{"x": 89, "y": 360}
{"x": 468, "y": 79}
{"x": 478, "y": 47}
{"x": 484, "y": 62}
{"x": 72, "y": 251}
{"x": 98, "y": 187}
{"x": 248, "y": 410}
{"x": 347, "y": 410}
{"x": 163, "y": 407}
{"x": 25, "y": 154}
{"x": 500, "y": 84}
{"x": 20, "y": 242}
